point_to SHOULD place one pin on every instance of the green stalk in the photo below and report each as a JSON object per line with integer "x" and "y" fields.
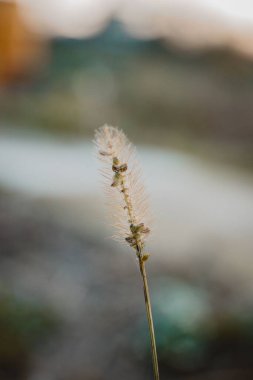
{"x": 149, "y": 315}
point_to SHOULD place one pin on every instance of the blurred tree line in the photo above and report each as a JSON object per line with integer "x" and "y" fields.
{"x": 178, "y": 98}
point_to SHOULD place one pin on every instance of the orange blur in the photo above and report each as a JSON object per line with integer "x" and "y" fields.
{"x": 19, "y": 47}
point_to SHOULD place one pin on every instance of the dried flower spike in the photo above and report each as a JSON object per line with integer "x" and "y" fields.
{"x": 128, "y": 205}
{"x": 124, "y": 186}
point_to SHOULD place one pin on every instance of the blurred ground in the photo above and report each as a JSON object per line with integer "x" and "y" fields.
{"x": 95, "y": 291}
{"x": 55, "y": 252}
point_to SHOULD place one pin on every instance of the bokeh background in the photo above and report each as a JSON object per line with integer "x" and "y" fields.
{"x": 177, "y": 77}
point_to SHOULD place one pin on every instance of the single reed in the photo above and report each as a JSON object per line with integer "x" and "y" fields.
{"x": 128, "y": 205}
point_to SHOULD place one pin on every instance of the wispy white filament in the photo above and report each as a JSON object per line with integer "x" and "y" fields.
{"x": 112, "y": 144}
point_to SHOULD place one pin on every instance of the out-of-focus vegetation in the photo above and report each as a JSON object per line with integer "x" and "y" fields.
{"x": 169, "y": 97}
{"x": 23, "y": 326}
{"x": 194, "y": 332}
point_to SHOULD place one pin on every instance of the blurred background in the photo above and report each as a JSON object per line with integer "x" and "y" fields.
{"x": 177, "y": 77}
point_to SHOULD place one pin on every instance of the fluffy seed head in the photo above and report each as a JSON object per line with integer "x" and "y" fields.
{"x": 127, "y": 202}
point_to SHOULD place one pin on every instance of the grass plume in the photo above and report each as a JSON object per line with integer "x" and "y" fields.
{"x": 127, "y": 204}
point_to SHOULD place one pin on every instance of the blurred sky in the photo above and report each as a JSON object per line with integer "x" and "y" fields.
{"x": 190, "y": 23}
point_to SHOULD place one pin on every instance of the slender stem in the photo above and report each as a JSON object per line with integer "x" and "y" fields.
{"x": 149, "y": 316}
{"x": 138, "y": 244}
